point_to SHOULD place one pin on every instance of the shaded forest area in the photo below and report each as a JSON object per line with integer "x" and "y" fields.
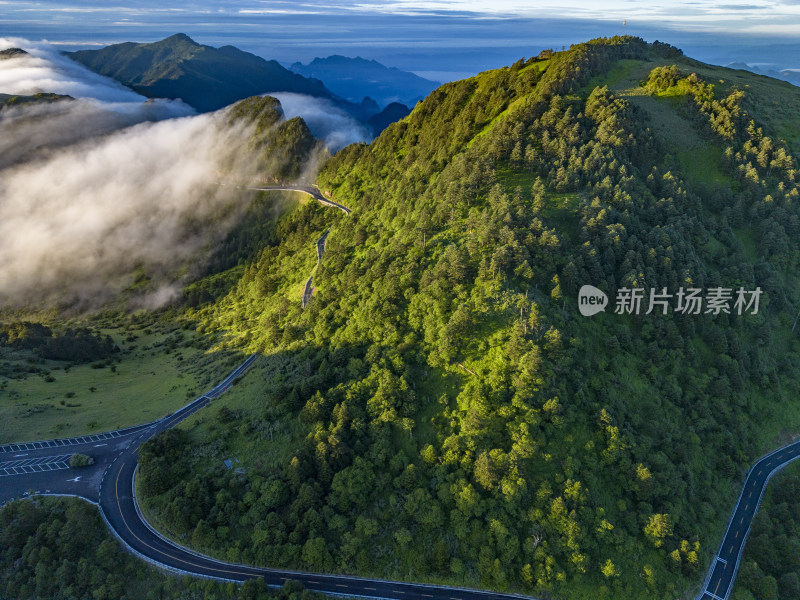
{"x": 60, "y": 548}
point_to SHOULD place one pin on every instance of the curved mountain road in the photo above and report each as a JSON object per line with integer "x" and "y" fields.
{"x": 116, "y": 499}
{"x": 307, "y": 289}
{"x": 719, "y": 581}
{"x": 306, "y": 189}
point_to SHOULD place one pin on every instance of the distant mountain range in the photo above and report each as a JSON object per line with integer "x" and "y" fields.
{"x": 209, "y": 78}
{"x": 204, "y": 77}
{"x": 785, "y": 74}
{"x": 355, "y": 78}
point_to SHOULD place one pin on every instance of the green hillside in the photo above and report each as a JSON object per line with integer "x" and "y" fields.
{"x": 206, "y": 78}
{"x": 441, "y": 411}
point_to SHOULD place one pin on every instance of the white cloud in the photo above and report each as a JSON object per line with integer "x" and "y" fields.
{"x": 75, "y": 225}
{"x": 46, "y": 70}
{"x": 326, "y": 121}
{"x": 93, "y": 189}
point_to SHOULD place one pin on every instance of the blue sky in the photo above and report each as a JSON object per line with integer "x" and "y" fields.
{"x": 448, "y": 37}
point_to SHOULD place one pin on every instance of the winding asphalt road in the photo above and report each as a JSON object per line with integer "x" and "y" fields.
{"x": 306, "y": 189}
{"x": 718, "y": 583}
{"x": 307, "y": 289}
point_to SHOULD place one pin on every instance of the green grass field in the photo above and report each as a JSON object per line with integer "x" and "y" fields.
{"x": 268, "y": 440}
{"x": 154, "y": 374}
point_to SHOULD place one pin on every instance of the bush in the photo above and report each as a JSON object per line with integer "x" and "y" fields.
{"x": 80, "y": 460}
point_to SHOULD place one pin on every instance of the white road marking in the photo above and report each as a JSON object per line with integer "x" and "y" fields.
{"x": 78, "y": 478}
{"x": 98, "y": 445}
{"x": 18, "y": 455}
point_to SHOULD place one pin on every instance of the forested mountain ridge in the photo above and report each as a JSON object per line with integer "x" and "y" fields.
{"x": 441, "y": 410}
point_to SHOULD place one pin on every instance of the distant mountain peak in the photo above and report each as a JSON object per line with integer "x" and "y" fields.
{"x": 204, "y": 77}
{"x": 178, "y": 37}
{"x": 354, "y": 78}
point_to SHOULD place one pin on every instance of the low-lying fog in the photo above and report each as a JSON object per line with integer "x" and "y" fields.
{"x": 94, "y": 189}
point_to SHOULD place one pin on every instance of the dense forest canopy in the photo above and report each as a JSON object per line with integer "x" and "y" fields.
{"x": 441, "y": 411}
{"x": 60, "y": 548}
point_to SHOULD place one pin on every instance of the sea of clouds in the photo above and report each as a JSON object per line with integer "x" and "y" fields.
{"x": 108, "y": 184}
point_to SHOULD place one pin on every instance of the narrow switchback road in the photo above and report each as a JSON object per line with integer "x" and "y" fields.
{"x": 320, "y": 197}
{"x": 307, "y": 289}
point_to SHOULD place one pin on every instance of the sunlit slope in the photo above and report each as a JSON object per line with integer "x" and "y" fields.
{"x": 444, "y": 411}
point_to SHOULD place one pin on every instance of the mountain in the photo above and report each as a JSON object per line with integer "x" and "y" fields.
{"x": 441, "y": 410}
{"x": 393, "y": 112}
{"x": 10, "y": 53}
{"x": 206, "y": 78}
{"x": 43, "y": 97}
{"x": 354, "y": 78}
{"x": 281, "y": 147}
{"x": 792, "y": 76}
